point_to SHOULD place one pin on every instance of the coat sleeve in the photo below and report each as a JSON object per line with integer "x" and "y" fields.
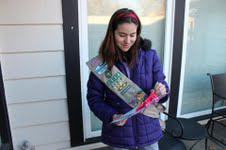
{"x": 159, "y": 76}
{"x": 95, "y": 97}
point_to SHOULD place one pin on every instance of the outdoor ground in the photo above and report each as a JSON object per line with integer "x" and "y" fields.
{"x": 220, "y": 132}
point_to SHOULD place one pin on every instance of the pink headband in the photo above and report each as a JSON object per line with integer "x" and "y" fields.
{"x": 129, "y": 15}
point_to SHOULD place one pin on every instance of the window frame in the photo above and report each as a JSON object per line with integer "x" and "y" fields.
{"x": 83, "y": 47}
{"x": 72, "y": 43}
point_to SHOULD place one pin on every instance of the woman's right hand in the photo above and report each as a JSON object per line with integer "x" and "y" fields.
{"x": 120, "y": 123}
{"x": 160, "y": 89}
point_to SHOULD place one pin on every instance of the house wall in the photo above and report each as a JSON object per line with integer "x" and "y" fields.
{"x": 32, "y": 60}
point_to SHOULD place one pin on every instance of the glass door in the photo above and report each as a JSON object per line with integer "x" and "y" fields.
{"x": 204, "y": 51}
{"x": 94, "y": 15}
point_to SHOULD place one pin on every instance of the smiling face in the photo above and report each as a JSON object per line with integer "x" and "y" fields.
{"x": 125, "y": 36}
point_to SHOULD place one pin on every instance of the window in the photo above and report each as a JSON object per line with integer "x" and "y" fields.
{"x": 94, "y": 18}
{"x": 204, "y": 52}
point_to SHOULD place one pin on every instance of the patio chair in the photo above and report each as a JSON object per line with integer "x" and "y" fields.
{"x": 218, "y": 83}
{"x": 185, "y": 129}
{"x": 170, "y": 143}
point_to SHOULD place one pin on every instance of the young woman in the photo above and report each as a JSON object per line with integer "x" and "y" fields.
{"x": 124, "y": 48}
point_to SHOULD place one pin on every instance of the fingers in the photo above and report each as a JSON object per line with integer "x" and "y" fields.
{"x": 120, "y": 123}
{"x": 160, "y": 89}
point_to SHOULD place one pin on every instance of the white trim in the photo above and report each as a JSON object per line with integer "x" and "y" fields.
{"x": 84, "y": 57}
{"x": 183, "y": 62}
{"x": 169, "y": 32}
{"x": 87, "y": 147}
{"x": 168, "y": 47}
{"x": 200, "y": 113}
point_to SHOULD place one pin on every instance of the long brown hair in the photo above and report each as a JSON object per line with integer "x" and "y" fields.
{"x": 109, "y": 51}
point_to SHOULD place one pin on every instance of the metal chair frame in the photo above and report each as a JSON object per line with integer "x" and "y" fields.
{"x": 214, "y": 113}
{"x": 182, "y": 128}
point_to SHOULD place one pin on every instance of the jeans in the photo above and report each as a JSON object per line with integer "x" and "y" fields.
{"x": 154, "y": 146}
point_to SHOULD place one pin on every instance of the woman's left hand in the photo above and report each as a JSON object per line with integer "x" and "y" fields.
{"x": 120, "y": 123}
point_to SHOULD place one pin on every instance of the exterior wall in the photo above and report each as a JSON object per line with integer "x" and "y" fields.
{"x": 32, "y": 59}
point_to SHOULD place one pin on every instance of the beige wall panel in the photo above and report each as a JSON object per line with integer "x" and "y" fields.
{"x": 43, "y": 134}
{"x": 30, "y": 11}
{"x": 30, "y": 65}
{"x": 29, "y": 38}
{"x": 28, "y": 114}
{"x": 54, "y": 146}
{"x": 37, "y": 89}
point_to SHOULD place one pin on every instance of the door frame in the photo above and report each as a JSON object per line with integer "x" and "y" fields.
{"x": 73, "y": 44}
{"x": 83, "y": 44}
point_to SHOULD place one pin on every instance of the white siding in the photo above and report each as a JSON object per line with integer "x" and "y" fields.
{"x": 28, "y": 38}
{"x": 30, "y": 12}
{"x": 42, "y": 113}
{"x": 30, "y": 65}
{"x": 32, "y": 60}
{"x": 35, "y": 89}
{"x": 54, "y": 146}
{"x": 41, "y": 134}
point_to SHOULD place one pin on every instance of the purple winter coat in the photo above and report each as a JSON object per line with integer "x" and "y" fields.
{"x": 139, "y": 131}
